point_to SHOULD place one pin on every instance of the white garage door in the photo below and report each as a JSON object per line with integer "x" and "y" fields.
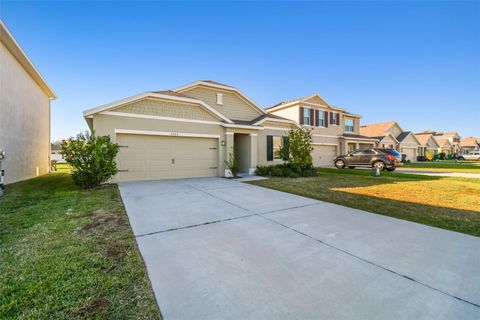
{"x": 410, "y": 152}
{"x": 323, "y": 155}
{"x": 143, "y": 157}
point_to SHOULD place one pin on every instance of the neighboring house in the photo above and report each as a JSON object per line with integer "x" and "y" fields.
{"x": 334, "y": 130}
{"x": 445, "y": 145}
{"x": 56, "y": 153}
{"x": 189, "y": 132}
{"x": 452, "y": 136}
{"x": 391, "y": 135}
{"x": 427, "y": 143}
{"x": 469, "y": 144}
{"x": 24, "y": 113}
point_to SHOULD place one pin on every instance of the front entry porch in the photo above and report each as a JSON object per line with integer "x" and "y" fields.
{"x": 245, "y": 145}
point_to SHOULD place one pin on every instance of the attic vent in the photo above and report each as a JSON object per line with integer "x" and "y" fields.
{"x": 220, "y": 98}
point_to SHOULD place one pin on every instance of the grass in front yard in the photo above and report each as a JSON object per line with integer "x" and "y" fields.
{"x": 444, "y": 166}
{"x": 68, "y": 253}
{"x": 448, "y": 203}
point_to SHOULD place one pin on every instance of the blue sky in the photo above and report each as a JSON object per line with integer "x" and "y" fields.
{"x": 414, "y": 62}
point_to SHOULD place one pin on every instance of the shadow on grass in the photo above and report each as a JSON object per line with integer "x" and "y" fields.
{"x": 326, "y": 187}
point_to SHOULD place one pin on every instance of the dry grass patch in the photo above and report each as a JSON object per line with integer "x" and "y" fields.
{"x": 464, "y": 195}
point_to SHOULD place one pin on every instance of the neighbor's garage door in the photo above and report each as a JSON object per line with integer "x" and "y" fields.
{"x": 144, "y": 157}
{"x": 323, "y": 155}
{"x": 410, "y": 152}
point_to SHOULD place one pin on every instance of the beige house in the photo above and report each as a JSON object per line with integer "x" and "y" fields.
{"x": 391, "y": 135}
{"x": 24, "y": 113}
{"x": 445, "y": 145}
{"x": 452, "y": 136}
{"x": 334, "y": 130}
{"x": 427, "y": 144}
{"x": 469, "y": 144}
{"x": 190, "y": 131}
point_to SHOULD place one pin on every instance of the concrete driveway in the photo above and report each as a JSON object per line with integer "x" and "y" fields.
{"x": 221, "y": 249}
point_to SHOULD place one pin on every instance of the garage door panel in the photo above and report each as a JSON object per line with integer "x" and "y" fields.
{"x": 150, "y": 157}
{"x": 323, "y": 155}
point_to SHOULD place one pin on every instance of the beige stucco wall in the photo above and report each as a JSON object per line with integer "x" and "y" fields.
{"x": 234, "y": 107}
{"x": 262, "y": 145}
{"x": 409, "y": 142}
{"x": 24, "y": 122}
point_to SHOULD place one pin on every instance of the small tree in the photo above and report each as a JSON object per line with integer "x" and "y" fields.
{"x": 92, "y": 158}
{"x": 298, "y": 149}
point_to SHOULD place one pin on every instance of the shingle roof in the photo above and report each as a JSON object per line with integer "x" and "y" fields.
{"x": 351, "y": 135}
{"x": 215, "y": 82}
{"x": 376, "y": 129}
{"x": 403, "y": 135}
{"x": 287, "y": 101}
{"x": 423, "y": 137}
{"x": 470, "y": 142}
{"x": 172, "y": 93}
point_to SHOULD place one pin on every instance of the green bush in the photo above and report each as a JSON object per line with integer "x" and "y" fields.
{"x": 442, "y": 155}
{"x": 298, "y": 149}
{"x": 284, "y": 170}
{"x": 92, "y": 158}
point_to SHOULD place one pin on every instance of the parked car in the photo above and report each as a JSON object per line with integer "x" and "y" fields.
{"x": 384, "y": 159}
{"x": 475, "y": 155}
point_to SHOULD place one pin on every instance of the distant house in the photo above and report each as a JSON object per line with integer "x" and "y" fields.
{"x": 56, "y": 153}
{"x": 469, "y": 144}
{"x": 445, "y": 145}
{"x": 24, "y": 113}
{"x": 428, "y": 144}
{"x": 452, "y": 136}
{"x": 391, "y": 135}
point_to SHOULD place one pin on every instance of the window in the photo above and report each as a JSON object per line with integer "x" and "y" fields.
{"x": 349, "y": 127}
{"x": 277, "y": 145}
{"x": 274, "y": 145}
{"x": 334, "y": 118}
{"x": 368, "y": 152}
{"x": 321, "y": 118}
{"x": 306, "y": 116}
{"x": 220, "y": 98}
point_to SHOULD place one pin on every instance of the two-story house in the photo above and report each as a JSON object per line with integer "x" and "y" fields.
{"x": 190, "y": 131}
{"x": 334, "y": 130}
{"x": 392, "y": 136}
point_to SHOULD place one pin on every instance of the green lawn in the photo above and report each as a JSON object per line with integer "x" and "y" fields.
{"x": 67, "y": 253}
{"x": 449, "y": 203}
{"x": 444, "y": 166}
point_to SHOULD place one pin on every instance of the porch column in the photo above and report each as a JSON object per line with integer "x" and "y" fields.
{"x": 357, "y": 145}
{"x": 228, "y": 147}
{"x": 253, "y": 153}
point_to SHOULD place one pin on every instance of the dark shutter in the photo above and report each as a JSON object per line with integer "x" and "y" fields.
{"x": 312, "y": 113}
{"x": 331, "y": 117}
{"x": 269, "y": 148}
{"x": 301, "y": 115}
{"x": 326, "y": 119}
{"x": 317, "y": 123}
{"x": 286, "y": 151}
{"x": 338, "y": 118}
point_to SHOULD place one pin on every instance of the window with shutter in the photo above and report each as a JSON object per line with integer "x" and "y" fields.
{"x": 312, "y": 120}
{"x": 326, "y": 119}
{"x": 269, "y": 148}
{"x": 300, "y": 116}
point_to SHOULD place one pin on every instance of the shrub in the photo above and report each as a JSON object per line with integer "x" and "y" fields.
{"x": 442, "y": 155}
{"x": 284, "y": 170}
{"x": 232, "y": 163}
{"x": 297, "y": 150}
{"x": 92, "y": 158}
